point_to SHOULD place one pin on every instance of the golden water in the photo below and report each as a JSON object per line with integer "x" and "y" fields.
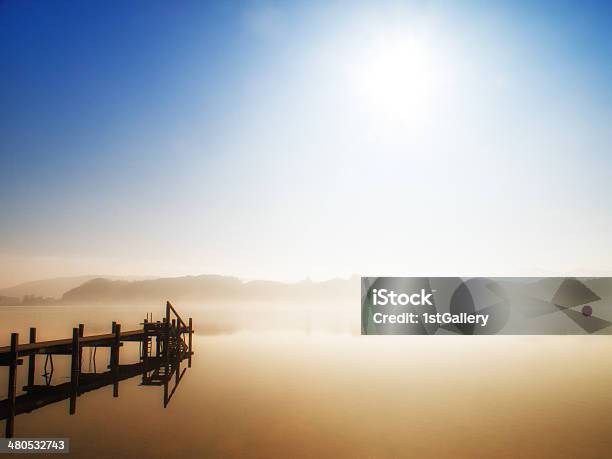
{"x": 321, "y": 394}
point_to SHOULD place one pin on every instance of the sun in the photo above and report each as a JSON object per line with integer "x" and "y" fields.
{"x": 396, "y": 76}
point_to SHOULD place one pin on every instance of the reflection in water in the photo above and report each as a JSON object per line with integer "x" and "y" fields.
{"x": 304, "y": 395}
{"x": 156, "y": 372}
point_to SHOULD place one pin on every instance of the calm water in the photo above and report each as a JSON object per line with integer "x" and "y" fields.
{"x": 320, "y": 394}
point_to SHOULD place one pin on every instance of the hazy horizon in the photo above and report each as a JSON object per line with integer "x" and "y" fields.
{"x": 131, "y": 278}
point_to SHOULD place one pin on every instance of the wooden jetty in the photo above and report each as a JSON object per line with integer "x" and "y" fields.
{"x": 163, "y": 346}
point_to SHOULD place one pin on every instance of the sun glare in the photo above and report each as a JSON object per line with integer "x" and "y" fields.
{"x": 397, "y": 77}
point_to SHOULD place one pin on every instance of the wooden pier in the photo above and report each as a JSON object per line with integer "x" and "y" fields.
{"x": 158, "y": 363}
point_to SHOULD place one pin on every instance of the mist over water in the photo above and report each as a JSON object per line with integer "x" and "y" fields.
{"x": 297, "y": 392}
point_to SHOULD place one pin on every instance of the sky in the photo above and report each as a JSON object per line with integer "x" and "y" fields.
{"x": 307, "y": 139}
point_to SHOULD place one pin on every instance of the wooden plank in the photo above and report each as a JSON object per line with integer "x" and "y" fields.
{"x": 44, "y": 347}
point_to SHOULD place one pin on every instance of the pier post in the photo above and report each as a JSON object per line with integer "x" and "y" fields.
{"x": 75, "y": 369}
{"x": 12, "y": 386}
{"x": 145, "y": 343}
{"x": 81, "y": 334}
{"x": 111, "y": 359}
{"x": 166, "y": 353}
{"x": 189, "y": 342}
{"x": 167, "y": 331}
{"x": 145, "y": 349}
{"x": 32, "y": 359}
{"x": 115, "y": 366}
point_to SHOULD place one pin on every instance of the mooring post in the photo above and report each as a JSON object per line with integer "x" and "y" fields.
{"x": 32, "y": 359}
{"x": 189, "y": 342}
{"x": 75, "y": 369}
{"x": 115, "y": 368}
{"x": 12, "y": 385}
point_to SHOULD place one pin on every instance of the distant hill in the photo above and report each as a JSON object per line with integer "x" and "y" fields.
{"x": 9, "y": 301}
{"x": 209, "y": 287}
{"x": 51, "y": 288}
{"x": 54, "y": 288}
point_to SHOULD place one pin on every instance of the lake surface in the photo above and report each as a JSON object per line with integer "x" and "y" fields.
{"x": 296, "y": 393}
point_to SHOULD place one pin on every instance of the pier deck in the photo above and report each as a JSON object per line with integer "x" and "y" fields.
{"x": 64, "y": 346}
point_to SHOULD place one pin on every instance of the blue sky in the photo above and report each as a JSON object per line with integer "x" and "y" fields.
{"x": 259, "y": 138}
